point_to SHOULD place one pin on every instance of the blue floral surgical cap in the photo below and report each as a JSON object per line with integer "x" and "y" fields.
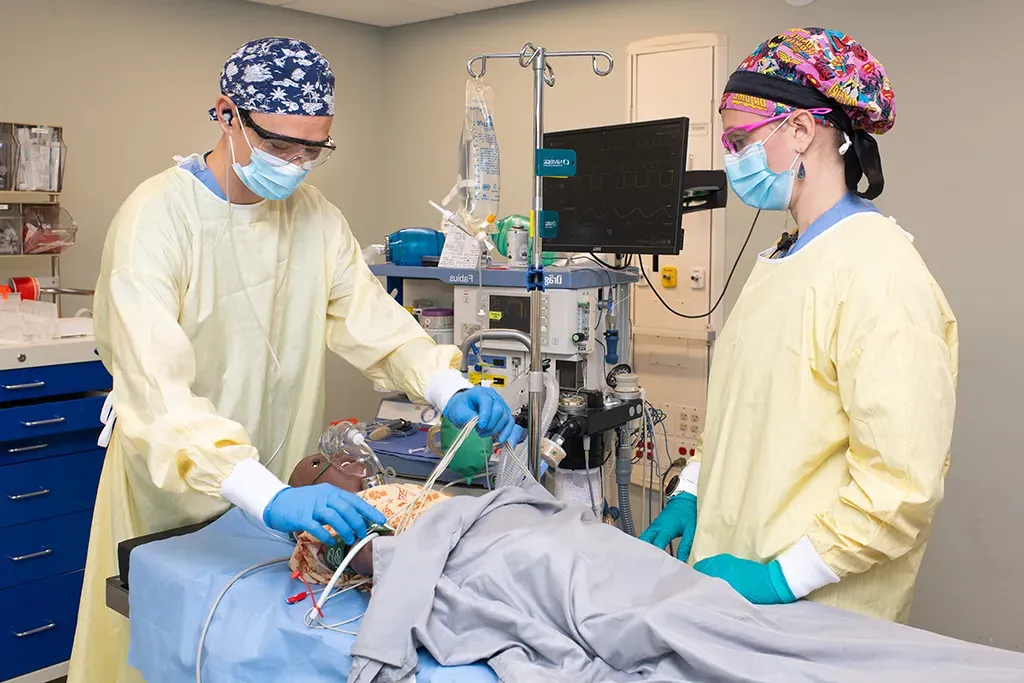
{"x": 279, "y": 76}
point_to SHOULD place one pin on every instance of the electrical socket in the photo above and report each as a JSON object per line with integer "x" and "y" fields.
{"x": 678, "y": 448}
{"x": 690, "y": 419}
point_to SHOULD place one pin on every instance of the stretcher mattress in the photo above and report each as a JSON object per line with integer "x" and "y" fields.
{"x": 255, "y": 635}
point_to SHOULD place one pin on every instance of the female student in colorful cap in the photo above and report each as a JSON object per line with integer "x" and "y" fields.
{"x": 832, "y": 392}
{"x": 224, "y": 281}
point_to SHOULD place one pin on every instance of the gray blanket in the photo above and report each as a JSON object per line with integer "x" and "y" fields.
{"x": 546, "y": 594}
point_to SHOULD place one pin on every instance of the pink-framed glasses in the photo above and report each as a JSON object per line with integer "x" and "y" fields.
{"x": 734, "y": 143}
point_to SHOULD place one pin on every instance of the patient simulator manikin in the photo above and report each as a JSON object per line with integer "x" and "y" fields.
{"x": 540, "y": 589}
{"x": 314, "y": 561}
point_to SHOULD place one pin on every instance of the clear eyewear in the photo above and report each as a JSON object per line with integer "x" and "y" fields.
{"x": 306, "y": 154}
{"x": 736, "y": 138}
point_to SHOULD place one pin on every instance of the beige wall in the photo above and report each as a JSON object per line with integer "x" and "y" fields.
{"x": 952, "y": 177}
{"x": 131, "y": 82}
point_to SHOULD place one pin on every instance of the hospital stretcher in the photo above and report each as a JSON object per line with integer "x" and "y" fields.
{"x": 256, "y": 635}
{"x": 173, "y": 578}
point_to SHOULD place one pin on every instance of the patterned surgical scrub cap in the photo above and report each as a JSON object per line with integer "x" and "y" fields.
{"x": 807, "y": 68}
{"x": 279, "y": 76}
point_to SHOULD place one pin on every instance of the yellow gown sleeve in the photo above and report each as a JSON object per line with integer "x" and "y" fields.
{"x": 185, "y": 443}
{"x": 895, "y": 353}
{"x": 375, "y": 334}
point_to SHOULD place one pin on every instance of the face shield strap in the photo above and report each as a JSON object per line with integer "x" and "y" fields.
{"x": 863, "y": 159}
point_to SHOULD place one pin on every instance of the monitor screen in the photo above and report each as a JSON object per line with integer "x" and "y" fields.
{"x": 510, "y": 312}
{"x": 626, "y": 195}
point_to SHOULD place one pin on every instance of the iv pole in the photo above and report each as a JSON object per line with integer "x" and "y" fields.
{"x": 536, "y": 58}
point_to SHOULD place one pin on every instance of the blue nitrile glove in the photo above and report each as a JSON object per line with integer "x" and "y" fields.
{"x": 761, "y": 584}
{"x": 677, "y": 520}
{"x": 308, "y": 508}
{"x": 495, "y": 417}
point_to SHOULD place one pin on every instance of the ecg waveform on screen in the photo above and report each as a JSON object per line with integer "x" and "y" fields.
{"x": 626, "y": 190}
{"x": 601, "y": 216}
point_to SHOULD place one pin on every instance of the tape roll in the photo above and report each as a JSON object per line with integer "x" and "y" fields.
{"x": 27, "y": 287}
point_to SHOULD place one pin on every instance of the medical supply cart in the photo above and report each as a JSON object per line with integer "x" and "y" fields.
{"x": 50, "y": 399}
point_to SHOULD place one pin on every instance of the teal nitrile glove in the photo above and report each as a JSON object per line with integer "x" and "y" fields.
{"x": 308, "y": 508}
{"x": 677, "y": 520}
{"x": 495, "y": 417}
{"x": 761, "y": 584}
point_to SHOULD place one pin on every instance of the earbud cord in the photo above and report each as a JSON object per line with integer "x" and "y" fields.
{"x": 245, "y": 290}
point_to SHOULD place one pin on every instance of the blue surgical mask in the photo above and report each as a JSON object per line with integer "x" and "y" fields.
{"x": 755, "y": 183}
{"x": 268, "y": 176}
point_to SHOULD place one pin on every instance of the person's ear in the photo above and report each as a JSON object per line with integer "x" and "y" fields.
{"x": 226, "y": 119}
{"x": 804, "y": 129}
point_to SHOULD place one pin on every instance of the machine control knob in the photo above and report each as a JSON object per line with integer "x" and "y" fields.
{"x": 579, "y": 337}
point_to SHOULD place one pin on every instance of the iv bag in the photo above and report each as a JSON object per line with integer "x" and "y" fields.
{"x": 479, "y": 161}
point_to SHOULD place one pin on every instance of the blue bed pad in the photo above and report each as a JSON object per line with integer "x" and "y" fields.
{"x": 255, "y": 634}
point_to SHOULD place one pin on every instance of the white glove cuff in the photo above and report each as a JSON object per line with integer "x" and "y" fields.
{"x": 804, "y": 569}
{"x": 251, "y": 486}
{"x": 443, "y": 385}
{"x": 688, "y": 479}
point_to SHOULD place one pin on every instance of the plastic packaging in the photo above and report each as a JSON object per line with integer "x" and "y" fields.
{"x": 47, "y": 229}
{"x": 479, "y": 159}
{"x": 10, "y": 317}
{"x": 10, "y": 229}
{"x": 40, "y": 161}
{"x": 8, "y": 155}
{"x": 26, "y": 321}
{"x": 38, "y": 320}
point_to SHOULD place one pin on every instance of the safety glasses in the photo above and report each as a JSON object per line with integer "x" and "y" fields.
{"x": 736, "y": 138}
{"x": 307, "y": 154}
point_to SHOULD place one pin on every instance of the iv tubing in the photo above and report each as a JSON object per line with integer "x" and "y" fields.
{"x": 209, "y": 617}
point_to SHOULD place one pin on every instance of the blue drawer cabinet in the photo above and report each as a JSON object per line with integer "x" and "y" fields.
{"x": 37, "y": 421}
{"x": 37, "y": 624}
{"x": 42, "y": 447}
{"x": 39, "y": 550}
{"x": 49, "y": 471}
{"x": 49, "y": 487}
{"x": 53, "y": 380}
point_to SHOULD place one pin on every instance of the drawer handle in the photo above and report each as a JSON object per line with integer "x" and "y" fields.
{"x": 26, "y": 496}
{"x": 26, "y": 449}
{"x": 29, "y": 385}
{"x": 25, "y": 634}
{"x": 43, "y": 423}
{"x": 22, "y": 558}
